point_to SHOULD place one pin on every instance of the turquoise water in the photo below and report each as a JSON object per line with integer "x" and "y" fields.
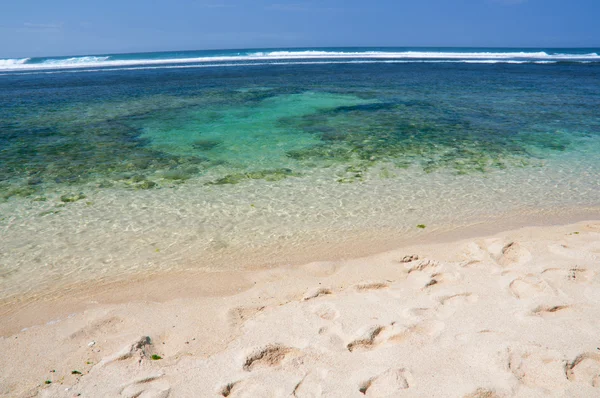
{"x": 142, "y": 166}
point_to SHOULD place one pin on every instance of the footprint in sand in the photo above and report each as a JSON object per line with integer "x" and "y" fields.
{"x": 370, "y": 339}
{"x": 440, "y": 278}
{"x": 484, "y": 334}
{"x": 107, "y": 326}
{"x": 419, "y": 332}
{"x": 366, "y": 286}
{"x": 139, "y": 349}
{"x": 550, "y": 310}
{"x": 459, "y": 299}
{"x": 435, "y": 281}
{"x": 409, "y": 258}
{"x": 394, "y": 334}
{"x": 482, "y": 393}
{"x": 572, "y": 254}
{"x": 513, "y": 254}
{"x": 451, "y": 304}
{"x": 269, "y": 356}
{"x": 420, "y": 280}
{"x": 422, "y": 265}
{"x": 227, "y": 389}
{"x": 388, "y": 384}
{"x": 585, "y": 369}
{"x": 151, "y": 386}
{"x": 536, "y": 367}
{"x": 310, "y": 386}
{"x": 432, "y": 282}
{"x": 474, "y": 254}
{"x": 573, "y": 274}
{"x": 249, "y": 388}
{"x": 417, "y": 312}
{"x": 319, "y": 292}
{"x": 326, "y": 311}
{"x": 528, "y": 286}
{"x": 238, "y": 315}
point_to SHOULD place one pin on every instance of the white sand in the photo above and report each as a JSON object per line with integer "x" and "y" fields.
{"x": 515, "y": 314}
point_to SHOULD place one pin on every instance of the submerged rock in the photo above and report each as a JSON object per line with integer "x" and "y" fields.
{"x": 267, "y": 175}
{"x": 105, "y": 184}
{"x": 146, "y": 184}
{"x": 68, "y": 198}
{"x": 228, "y": 179}
{"x": 19, "y": 192}
{"x": 206, "y": 144}
{"x": 176, "y": 174}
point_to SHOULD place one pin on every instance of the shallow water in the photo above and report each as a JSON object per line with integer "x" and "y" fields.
{"x": 110, "y": 173}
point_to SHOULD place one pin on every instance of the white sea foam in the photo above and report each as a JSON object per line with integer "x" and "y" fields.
{"x": 75, "y": 61}
{"x": 293, "y": 57}
{"x": 275, "y": 63}
{"x": 404, "y": 54}
{"x": 7, "y": 63}
{"x": 422, "y": 55}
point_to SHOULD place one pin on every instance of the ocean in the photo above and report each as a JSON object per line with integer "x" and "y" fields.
{"x": 113, "y": 166}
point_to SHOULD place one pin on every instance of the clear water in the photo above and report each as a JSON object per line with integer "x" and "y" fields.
{"x": 120, "y": 171}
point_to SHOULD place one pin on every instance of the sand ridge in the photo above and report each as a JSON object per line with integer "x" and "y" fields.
{"x": 516, "y": 314}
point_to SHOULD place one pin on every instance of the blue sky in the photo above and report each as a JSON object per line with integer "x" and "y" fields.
{"x": 65, "y": 27}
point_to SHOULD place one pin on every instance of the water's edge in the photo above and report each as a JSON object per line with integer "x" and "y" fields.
{"x": 270, "y": 258}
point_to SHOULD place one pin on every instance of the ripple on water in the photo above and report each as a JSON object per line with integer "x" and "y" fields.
{"x": 225, "y": 173}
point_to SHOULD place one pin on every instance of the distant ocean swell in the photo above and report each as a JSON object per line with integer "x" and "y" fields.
{"x": 277, "y": 57}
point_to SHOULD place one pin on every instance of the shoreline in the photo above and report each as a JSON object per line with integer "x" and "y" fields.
{"x": 15, "y": 310}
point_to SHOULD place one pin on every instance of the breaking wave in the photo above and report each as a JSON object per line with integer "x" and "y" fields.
{"x": 279, "y": 56}
{"x": 7, "y": 63}
{"x": 75, "y": 61}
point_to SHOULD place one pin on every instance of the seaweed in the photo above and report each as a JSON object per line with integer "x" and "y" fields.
{"x": 146, "y": 184}
{"x": 267, "y": 175}
{"x": 69, "y": 198}
{"x": 206, "y": 144}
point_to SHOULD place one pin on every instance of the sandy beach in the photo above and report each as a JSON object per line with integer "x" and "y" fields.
{"x": 515, "y": 314}
{"x": 300, "y": 199}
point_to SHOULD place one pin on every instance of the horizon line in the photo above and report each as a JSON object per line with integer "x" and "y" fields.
{"x": 301, "y": 47}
